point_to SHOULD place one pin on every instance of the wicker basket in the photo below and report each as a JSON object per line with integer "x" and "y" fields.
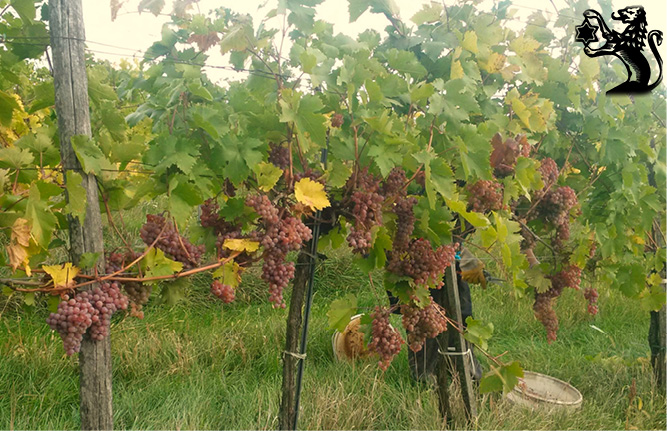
{"x": 537, "y": 390}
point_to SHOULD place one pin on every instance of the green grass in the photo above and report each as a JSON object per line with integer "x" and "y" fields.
{"x": 204, "y": 365}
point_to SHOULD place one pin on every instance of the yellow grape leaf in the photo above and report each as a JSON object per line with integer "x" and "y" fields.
{"x": 18, "y": 244}
{"x": 63, "y": 276}
{"x": 494, "y": 63}
{"x": 241, "y": 245}
{"x": 229, "y": 274}
{"x": 457, "y": 70}
{"x": 311, "y": 193}
{"x": 470, "y": 41}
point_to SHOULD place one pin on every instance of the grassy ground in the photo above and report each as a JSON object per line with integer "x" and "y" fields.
{"x": 202, "y": 365}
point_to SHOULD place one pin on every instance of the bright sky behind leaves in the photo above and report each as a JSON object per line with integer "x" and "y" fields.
{"x": 132, "y": 33}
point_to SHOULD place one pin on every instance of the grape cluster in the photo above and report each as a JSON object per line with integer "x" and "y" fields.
{"x": 405, "y": 223}
{"x": 138, "y": 293}
{"x": 279, "y": 155}
{"x": 485, "y": 196}
{"x": 556, "y": 205}
{"x": 367, "y": 212}
{"x": 209, "y": 213}
{"x": 170, "y": 242}
{"x": 422, "y": 323}
{"x": 549, "y": 171}
{"x": 385, "y": 340}
{"x": 504, "y": 154}
{"x": 88, "y": 309}
{"x": 106, "y": 299}
{"x": 281, "y": 235}
{"x": 337, "y": 120}
{"x": 544, "y": 312}
{"x": 423, "y": 264}
{"x": 591, "y": 295}
{"x": 524, "y": 146}
{"x": 312, "y": 174}
{"x": 394, "y": 184}
{"x": 223, "y": 291}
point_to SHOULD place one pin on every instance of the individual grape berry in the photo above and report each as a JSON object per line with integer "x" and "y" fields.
{"x": 549, "y": 171}
{"x": 279, "y": 155}
{"x": 385, "y": 340}
{"x": 485, "y": 196}
{"x": 394, "y": 184}
{"x": 544, "y": 312}
{"x": 223, "y": 291}
{"x": 170, "y": 242}
{"x": 591, "y": 295}
{"x": 337, "y": 120}
{"x": 422, "y": 323}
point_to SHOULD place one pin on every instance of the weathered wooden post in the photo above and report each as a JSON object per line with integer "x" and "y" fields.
{"x": 454, "y": 350}
{"x": 71, "y": 102}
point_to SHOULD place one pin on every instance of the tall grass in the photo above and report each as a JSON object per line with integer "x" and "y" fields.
{"x": 204, "y": 365}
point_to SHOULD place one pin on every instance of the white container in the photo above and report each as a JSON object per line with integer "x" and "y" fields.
{"x": 537, "y": 390}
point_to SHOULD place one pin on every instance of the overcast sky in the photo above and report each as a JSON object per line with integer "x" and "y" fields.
{"x": 132, "y": 33}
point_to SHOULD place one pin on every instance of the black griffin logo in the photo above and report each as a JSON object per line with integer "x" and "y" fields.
{"x": 626, "y": 46}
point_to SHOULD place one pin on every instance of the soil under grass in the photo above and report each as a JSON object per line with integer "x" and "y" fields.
{"x": 204, "y": 365}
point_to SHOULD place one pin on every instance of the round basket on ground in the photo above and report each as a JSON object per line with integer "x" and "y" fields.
{"x": 537, "y": 390}
{"x": 349, "y": 344}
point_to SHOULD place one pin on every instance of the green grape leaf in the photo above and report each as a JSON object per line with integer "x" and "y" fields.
{"x": 173, "y": 291}
{"x": 7, "y": 106}
{"x": 15, "y": 157}
{"x": 42, "y": 220}
{"x": 183, "y": 196}
{"x": 89, "y": 155}
{"x": 503, "y": 378}
{"x": 653, "y": 298}
{"x": 229, "y": 274}
{"x": 341, "y": 311}
{"x": 338, "y": 174}
{"x": 89, "y": 260}
{"x": 478, "y": 332}
{"x": 156, "y": 264}
{"x": 267, "y": 175}
{"x": 76, "y": 195}
{"x": 428, "y": 14}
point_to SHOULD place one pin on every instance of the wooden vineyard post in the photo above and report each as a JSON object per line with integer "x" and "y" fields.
{"x": 290, "y": 358}
{"x": 455, "y": 358}
{"x": 71, "y": 103}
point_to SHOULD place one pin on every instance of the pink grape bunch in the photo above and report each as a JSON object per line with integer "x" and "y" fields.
{"x": 87, "y": 310}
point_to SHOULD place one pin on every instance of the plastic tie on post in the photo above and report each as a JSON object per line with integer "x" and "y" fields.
{"x": 300, "y": 356}
{"x": 451, "y": 352}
